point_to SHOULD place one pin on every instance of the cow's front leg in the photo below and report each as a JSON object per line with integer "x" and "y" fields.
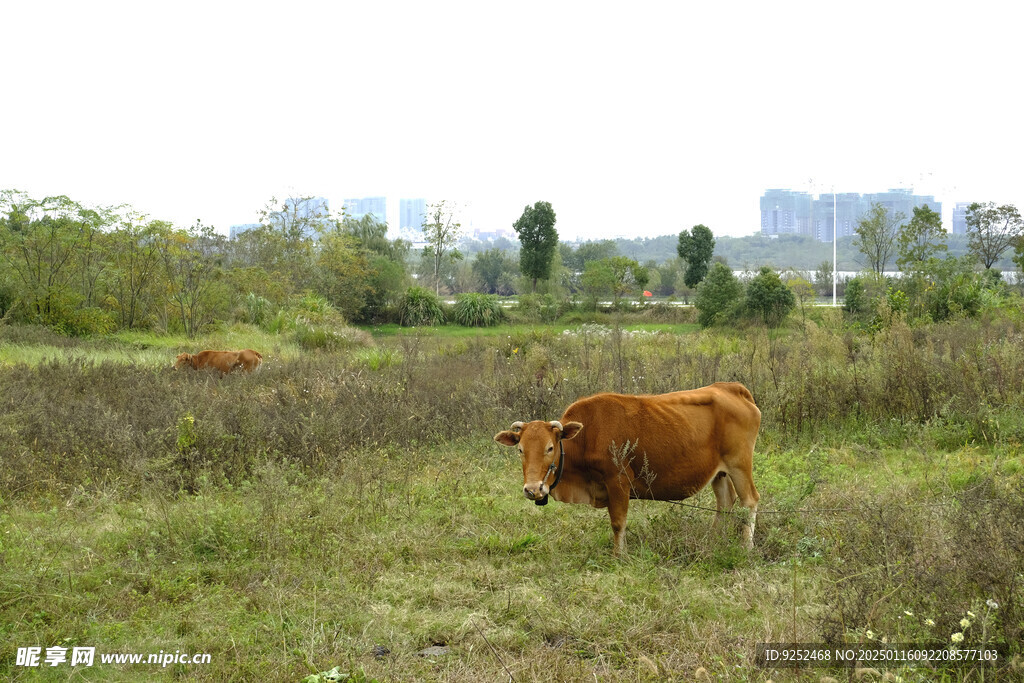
{"x": 618, "y": 507}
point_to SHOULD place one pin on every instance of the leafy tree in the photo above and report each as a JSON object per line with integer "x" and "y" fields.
{"x": 442, "y": 231}
{"x": 823, "y": 279}
{"x": 619, "y": 275}
{"x": 769, "y": 298}
{"x": 576, "y": 260}
{"x": 598, "y": 280}
{"x": 854, "y": 301}
{"x": 41, "y": 241}
{"x": 293, "y": 226}
{"x": 876, "y": 236}
{"x": 490, "y": 266}
{"x": 920, "y": 240}
{"x": 718, "y": 295}
{"x": 342, "y": 274}
{"x": 539, "y": 239}
{"x": 696, "y": 247}
{"x": 134, "y": 264}
{"x": 803, "y": 292}
{"x": 991, "y": 230}
{"x": 192, "y": 267}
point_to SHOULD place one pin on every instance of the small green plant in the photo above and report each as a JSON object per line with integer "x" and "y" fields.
{"x": 257, "y": 310}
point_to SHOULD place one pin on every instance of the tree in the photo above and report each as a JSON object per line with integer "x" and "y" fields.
{"x": 40, "y": 243}
{"x": 342, "y": 273}
{"x": 442, "y": 232}
{"x": 769, "y": 298}
{"x": 134, "y": 263}
{"x": 920, "y": 240}
{"x": 696, "y": 247}
{"x": 296, "y": 222}
{"x": 192, "y": 266}
{"x": 823, "y": 279}
{"x": 803, "y": 291}
{"x": 539, "y": 239}
{"x": 490, "y": 266}
{"x": 991, "y": 230}
{"x": 717, "y": 295}
{"x": 876, "y": 236}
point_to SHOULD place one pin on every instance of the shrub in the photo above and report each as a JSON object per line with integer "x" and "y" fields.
{"x": 769, "y": 298}
{"x": 257, "y": 310}
{"x": 718, "y": 296}
{"x": 478, "y": 310}
{"x": 420, "y": 306}
{"x": 854, "y": 300}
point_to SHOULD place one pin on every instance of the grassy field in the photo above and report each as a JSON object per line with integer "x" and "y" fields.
{"x": 350, "y": 510}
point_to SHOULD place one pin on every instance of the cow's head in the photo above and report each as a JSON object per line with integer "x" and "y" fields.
{"x": 538, "y": 444}
{"x": 183, "y": 360}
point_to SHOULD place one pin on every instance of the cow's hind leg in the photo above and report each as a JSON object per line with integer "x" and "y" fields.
{"x": 725, "y": 495}
{"x": 743, "y": 480}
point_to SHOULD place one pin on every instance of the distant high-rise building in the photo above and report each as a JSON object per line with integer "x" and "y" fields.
{"x": 411, "y": 214}
{"x": 377, "y": 206}
{"x": 797, "y": 213}
{"x": 784, "y": 212}
{"x": 960, "y": 218}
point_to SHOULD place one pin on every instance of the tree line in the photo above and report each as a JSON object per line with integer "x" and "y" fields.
{"x": 86, "y": 270}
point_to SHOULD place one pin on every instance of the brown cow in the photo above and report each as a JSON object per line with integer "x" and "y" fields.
{"x": 224, "y": 361}
{"x": 250, "y": 359}
{"x": 609, "y": 448}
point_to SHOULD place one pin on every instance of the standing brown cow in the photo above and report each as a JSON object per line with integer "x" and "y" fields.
{"x": 609, "y": 448}
{"x": 224, "y": 361}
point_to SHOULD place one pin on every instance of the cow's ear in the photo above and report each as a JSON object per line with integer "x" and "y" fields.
{"x": 571, "y": 429}
{"x": 507, "y": 438}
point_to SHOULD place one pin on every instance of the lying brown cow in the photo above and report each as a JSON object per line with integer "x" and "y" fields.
{"x": 250, "y": 359}
{"x": 224, "y": 361}
{"x": 609, "y": 448}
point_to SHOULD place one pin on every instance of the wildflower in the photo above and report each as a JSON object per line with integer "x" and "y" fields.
{"x": 929, "y": 622}
{"x": 870, "y": 634}
{"x": 908, "y": 613}
{"x": 970, "y": 614}
{"x": 957, "y": 637}
{"x": 992, "y": 604}
{"x": 965, "y": 622}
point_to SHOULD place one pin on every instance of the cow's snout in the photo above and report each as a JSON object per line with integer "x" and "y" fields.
{"x": 536, "y": 491}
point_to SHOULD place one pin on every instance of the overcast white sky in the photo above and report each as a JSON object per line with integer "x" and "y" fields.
{"x": 639, "y": 118}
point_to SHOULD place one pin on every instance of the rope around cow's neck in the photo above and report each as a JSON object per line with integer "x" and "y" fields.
{"x": 558, "y": 473}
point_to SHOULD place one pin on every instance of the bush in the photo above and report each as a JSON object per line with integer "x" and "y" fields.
{"x": 257, "y": 310}
{"x": 718, "y": 296}
{"x": 854, "y": 300}
{"x": 478, "y": 310}
{"x": 769, "y": 298}
{"x": 537, "y": 307}
{"x": 420, "y": 306}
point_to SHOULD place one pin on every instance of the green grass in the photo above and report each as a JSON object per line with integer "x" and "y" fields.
{"x": 290, "y": 521}
{"x": 284, "y": 575}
